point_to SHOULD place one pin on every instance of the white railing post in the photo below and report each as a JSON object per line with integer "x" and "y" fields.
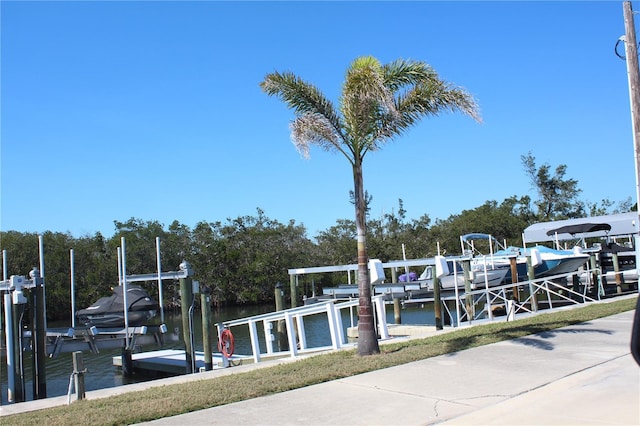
{"x": 302, "y": 337}
{"x": 382, "y": 316}
{"x": 456, "y": 291}
{"x": 268, "y": 335}
{"x": 291, "y": 334}
{"x": 333, "y": 326}
{"x": 255, "y": 342}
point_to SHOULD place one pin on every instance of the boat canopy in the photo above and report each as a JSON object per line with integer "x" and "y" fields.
{"x": 622, "y": 224}
{"x": 580, "y": 228}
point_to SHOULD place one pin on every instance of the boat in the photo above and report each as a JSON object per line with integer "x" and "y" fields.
{"x": 546, "y": 261}
{"x": 617, "y": 262}
{"x": 108, "y": 312}
{"x": 422, "y": 285}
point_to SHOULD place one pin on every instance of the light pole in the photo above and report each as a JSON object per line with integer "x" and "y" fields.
{"x": 631, "y": 56}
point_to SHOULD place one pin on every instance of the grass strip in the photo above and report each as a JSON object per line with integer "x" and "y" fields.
{"x": 170, "y": 400}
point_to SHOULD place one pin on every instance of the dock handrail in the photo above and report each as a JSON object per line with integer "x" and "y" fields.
{"x": 294, "y": 320}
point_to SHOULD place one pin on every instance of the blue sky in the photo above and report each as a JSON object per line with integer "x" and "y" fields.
{"x": 152, "y": 110}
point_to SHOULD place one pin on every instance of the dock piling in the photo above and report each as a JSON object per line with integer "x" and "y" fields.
{"x": 397, "y": 317}
{"x": 186, "y": 300}
{"x": 205, "y": 300}
{"x": 127, "y": 362}
{"x": 437, "y": 303}
{"x": 279, "y": 296}
{"x": 78, "y": 374}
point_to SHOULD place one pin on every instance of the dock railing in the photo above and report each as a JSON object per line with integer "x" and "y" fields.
{"x": 294, "y": 321}
{"x": 515, "y": 298}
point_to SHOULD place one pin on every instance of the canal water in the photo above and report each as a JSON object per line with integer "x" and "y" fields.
{"x": 101, "y": 373}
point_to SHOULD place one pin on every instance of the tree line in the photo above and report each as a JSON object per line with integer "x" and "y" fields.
{"x": 241, "y": 259}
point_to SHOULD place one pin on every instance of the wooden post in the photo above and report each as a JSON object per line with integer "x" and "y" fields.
{"x": 294, "y": 290}
{"x": 186, "y": 299}
{"x": 394, "y": 275}
{"x": 78, "y": 374}
{"x": 577, "y": 287}
{"x": 631, "y": 55}
{"x": 283, "y": 344}
{"x": 466, "y": 270}
{"x": 616, "y": 270}
{"x": 127, "y": 362}
{"x": 531, "y": 274}
{"x": 207, "y": 327}
{"x": 513, "y": 263}
{"x": 397, "y": 317}
{"x": 437, "y": 302}
{"x": 595, "y": 276}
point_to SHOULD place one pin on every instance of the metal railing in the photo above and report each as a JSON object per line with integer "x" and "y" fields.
{"x": 295, "y": 332}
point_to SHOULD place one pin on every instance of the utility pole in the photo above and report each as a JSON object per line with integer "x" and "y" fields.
{"x": 631, "y": 55}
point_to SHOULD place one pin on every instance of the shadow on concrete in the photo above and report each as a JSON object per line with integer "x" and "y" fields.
{"x": 529, "y": 335}
{"x": 540, "y": 340}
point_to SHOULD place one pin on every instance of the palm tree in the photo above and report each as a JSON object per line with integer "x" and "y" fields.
{"x": 378, "y": 103}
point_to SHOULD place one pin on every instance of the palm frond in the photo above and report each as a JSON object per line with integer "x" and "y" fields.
{"x": 402, "y": 73}
{"x": 314, "y": 129}
{"x": 301, "y": 96}
{"x": 365, "y": 98}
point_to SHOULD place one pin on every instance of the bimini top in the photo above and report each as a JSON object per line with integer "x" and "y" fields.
{"x": 580, "y": 228}
{"x": 596, "y": 226}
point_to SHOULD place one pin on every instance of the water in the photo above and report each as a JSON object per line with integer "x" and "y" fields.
{"x": 102, "y": 374}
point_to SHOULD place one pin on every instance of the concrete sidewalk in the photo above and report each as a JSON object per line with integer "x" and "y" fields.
{"x": 583, "y": 374}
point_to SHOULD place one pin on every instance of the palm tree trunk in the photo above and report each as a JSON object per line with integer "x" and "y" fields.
{"x": 367, "y": 333}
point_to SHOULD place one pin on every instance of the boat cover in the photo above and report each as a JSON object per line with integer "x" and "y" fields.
{"x": 137, "y": 299}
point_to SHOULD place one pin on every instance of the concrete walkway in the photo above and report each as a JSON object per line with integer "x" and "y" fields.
{"x": 578, "y": 375}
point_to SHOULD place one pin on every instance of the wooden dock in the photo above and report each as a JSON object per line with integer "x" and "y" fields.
{"x": 173, "y": 361}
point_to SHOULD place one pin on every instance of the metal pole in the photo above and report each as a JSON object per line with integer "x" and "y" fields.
{"x": 119, "y": 255}
{"x": 38, "y": 337}
{"x": 124, "y": 291}
{"x": 73, "y": 289}
{"x": 159, "y": 280}
{"x": 11, "y": 361}
{"x": 4, "y": 266}
{"x": 44, "y": 297}
{"x": 456, "y": 290}
{"x": 18, "y": 354}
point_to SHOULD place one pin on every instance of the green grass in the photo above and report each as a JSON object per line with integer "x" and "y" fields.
{"x": 164, "y": 401}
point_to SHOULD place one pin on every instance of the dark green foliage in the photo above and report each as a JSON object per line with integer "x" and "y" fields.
{"x": 242, "y": 259}
{"x": 558, "y": 195}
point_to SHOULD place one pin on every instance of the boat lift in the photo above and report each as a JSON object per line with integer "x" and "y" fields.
{"x": 49, "y": 343}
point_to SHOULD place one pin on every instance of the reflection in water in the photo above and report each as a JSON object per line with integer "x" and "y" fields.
{"x": 102, "y": 374}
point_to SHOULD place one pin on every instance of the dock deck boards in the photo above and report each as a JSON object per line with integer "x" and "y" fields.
{"x": 173, "y": 361}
